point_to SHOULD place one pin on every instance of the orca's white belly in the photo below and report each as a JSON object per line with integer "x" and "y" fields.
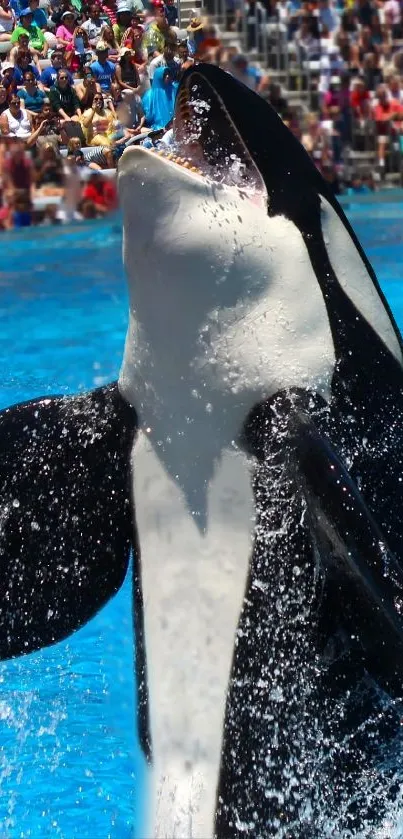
{"x": 193, "y": 587}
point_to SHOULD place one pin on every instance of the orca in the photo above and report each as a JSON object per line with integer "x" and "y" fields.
{"x": 250, "y": 455}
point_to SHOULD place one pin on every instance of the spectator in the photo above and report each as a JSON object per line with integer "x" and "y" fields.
{"x": 99, "y": 123}
{"x": 15, "y": 121}
{"x": 372, "y": 73}
{"x": 8, "y": 80}
{"x": 93, "y": 26}
{"x": 37, "y": 41}
{"x": 349, "y": 25}
{"x": 157, "y": 31}
{"x": 331, "y": 64}
{"x": 364, "y": 10}
{"x": 102, "y": 192}
{"x": 17, "y": 173}
{"x": 21, "y": 206}
{"x": 48, "y": 170}
{"x": 49, "y": 74}
{"x": 7, "y": 20}
{"x": 131, "y": 114}
{"x": 22, "y": 45}
{"x": 315, "y": 137}
{"x": 328, "y": 16}
{"x": 102, "y": 69}
{"x": 159, "y": 101}
{"x": 195, "y": 35}
{"x": 359, "y": 99}
{"x": 171, "y": 12}
{"x": 23, "y": 62}
{"x": 31, "y": 95}
{"x": 168, "y": 58}
{"x": 123, "y": 21}
{"x": 365, "y": 43}
{"x": 388, "y": 114}
{"x": 49, "y": 124}
{"x": 3, "y": 99}
{"x": 59, "y": 7}
{"x": 64, "y": 99}
{"x": 93, "y": 158}
{"x": 39, "y": 18}
{"x": 65, "y": 34}
{"x": 133, "y": 39}
{"x": 108, "y": 37}
{"x": 109, "y": 11}
{"x": 307, "y": 40}
{"x": 277, "y": 101}
{"x": 87, "y": 88}
{"x": 394, "y": 87}
{"x": 184, "y": 59}
{"x": 127, "y": 75}
{"x": 245, "y": 72}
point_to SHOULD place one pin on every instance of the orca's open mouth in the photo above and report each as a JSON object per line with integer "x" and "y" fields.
{"x": 207, "y": 142}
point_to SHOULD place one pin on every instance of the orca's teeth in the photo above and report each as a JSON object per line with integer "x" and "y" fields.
{"x": 179, "y": 161}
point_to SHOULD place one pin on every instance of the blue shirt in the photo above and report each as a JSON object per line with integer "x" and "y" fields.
{"x": 103, "y": 73}
{"x": 49, "y": 76}
{"x": 33, "y": 103}
{"x": 18, "y": 74}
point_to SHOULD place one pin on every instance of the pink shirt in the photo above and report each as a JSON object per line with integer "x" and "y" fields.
{"x": 62, "y": 32}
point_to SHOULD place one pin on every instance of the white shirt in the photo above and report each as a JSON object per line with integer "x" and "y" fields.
{"x": 18, "y": 126}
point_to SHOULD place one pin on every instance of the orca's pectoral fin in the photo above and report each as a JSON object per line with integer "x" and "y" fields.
{"x": 364, "y": 574}
{"x": 65, "y": 514}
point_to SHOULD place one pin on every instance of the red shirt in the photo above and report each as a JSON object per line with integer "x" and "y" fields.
{"x": 103, "y": 194}
{"x": 382, "y": 111}
{"x": 358, "y": 97}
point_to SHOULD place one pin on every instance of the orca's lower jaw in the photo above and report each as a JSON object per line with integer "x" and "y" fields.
{"x": 207, "y": 141}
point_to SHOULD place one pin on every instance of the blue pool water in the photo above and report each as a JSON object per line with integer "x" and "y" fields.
{"x": 70, "y": 765}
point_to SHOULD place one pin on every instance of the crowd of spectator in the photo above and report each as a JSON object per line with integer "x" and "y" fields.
{"x": 345, "y": 57}
{"x": 79, "y": 83}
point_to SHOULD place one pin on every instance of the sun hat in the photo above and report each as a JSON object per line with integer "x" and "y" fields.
{"x": 195, "y": 25}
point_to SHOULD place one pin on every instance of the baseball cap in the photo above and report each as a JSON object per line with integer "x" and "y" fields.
{"x": 101, "y": 47}
{"x": 26, "y": 11}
